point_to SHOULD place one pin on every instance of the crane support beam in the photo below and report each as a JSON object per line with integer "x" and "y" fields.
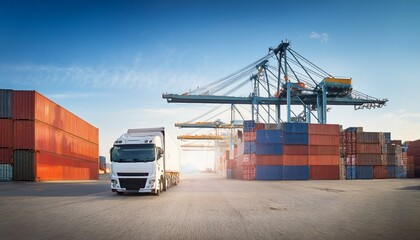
{"x": 306, "y": 99}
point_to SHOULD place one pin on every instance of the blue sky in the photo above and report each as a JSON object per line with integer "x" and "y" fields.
{"x": 110, "y": 61}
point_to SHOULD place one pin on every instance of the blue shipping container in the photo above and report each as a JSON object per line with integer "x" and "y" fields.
{"x": 269, "y": 136}
{"x": 274, "y": 172}
{"x": 230, "y": 174}
{"x": 295, "y": 127}
{"x": 296, "y": 172}
{"x": 269, "y": 149}
{"x": 401, "y": 172}
{"x": 5, "y": 103}
{"x": 249, "y": 125}
{"x": 364, "y": 172}
{"x": 350, "y": 172}
{"x": 249, "y": 147}
{"x": 295, "y": 138}
{"x": 6, "y": 173}
{"x": 392, "y": 171}
{"x": 387, "y": 137}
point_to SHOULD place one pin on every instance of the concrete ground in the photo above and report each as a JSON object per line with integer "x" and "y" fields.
{"x": 207, "y": 206}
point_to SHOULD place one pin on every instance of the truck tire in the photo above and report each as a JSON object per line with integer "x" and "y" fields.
{"x": 164, "y": 182}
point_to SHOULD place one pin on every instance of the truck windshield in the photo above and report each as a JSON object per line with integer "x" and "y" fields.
{"x": 133, "y": 153}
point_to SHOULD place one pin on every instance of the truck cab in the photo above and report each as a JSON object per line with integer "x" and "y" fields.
{"x": 137, "y": 162}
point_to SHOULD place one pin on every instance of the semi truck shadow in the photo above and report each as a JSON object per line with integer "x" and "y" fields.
{"x": 415, "y": 188}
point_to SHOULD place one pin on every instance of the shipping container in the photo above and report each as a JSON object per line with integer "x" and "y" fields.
{"x": 324, "y": 160}
{"x": 269, "y": 160}
{"x": 249, "y": 136}
{"x": 229, "y": 173}
{"x": 269, "y": 149}
{"x": 6, "y": 172}
{"x": 324, "y": 129}
{"x": 6, "y": 133}
{"x": 324, "y": 140}
{"x": 369, "y": 159}
{"x": 401, "y": 172}
{"x": 380, "y": 172}
{"x": 238, "y": 173}
{"x": 326, "y": 172}
{"x": 269, "y": 136}
{"x": 370, "y": 137}
{"x": 387, "y": 136}
{"x": 392, "y": 171}
{"x": 351, "y": 172}
{"x": 324, "y": 150}
{"x": 364, "y": 172}
{"x": 269, "y": 172}
{"x": 6, "y": 103}
{"x": 249, "y": 147}
{"x": 369, "y": 148}
{"x": 249, "y": 172}
{"x": 351, "y": 160}
{"x": 296, "y": 172}
{"x": 24, "y": 166}
{"x": 295, "y": 127}
{"x": 249, "y": 125}
{"x": 295, "y": 138}
{"x": 272, "y": 126}
{"x": 6, "y": 155}
{"x": 295, "y": 150}
{"x": 295, "y": 160}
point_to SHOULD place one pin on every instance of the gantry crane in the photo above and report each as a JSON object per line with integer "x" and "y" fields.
{"x": 293, "y": 81}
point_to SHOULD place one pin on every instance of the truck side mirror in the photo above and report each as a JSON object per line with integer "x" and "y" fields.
{"x": 160, "y": 153}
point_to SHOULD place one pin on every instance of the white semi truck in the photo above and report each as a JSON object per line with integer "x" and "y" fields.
{"x": 144, "y": 160}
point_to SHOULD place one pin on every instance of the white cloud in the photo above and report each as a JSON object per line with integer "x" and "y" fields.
{"x": 323, "y": 37}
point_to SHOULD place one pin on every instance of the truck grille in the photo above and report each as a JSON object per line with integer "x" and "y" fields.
{"x": 133, "y": 174}
{"x": 132, "y": 183}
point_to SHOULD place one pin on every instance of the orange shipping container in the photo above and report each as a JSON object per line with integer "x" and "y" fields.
{"x": 374, "y": 148}
{"x": 324, "y": 150}
{"x": 295, "y": 149}
{"x": 324, "y": 160}
{"x": 249, "y": 136}
{"x": 269, "y": 160}
{"x": 324, "y": 140}
{"x": 380, "y": 172}
{"x": 324, "y": 172}
{"x": 295, "y": 160}
{"x": 6, "y": 133}
{"x": 324, "y": 129}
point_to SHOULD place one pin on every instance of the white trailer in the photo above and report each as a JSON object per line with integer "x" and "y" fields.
{"x": 144, "y": 160}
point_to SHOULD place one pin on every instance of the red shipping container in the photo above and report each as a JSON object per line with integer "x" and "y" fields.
{"x": 6, "y": 133}
{"x": 295, "y": 160}
{"x": 324, "y": 172}
{"x": 249, "y": 158}
{"x": 324, "y": 140}
{"x": 24, "y": 134}
{"x": 324, "y": 129}
{"x": 324, "y": 150}
{"x": 249, "y": 136}
{"x": 259, "y": 126}
{"x": 370, "y": 159}
{"x": 269, "y": 160}
{"x": 249, "y": 172}
{"x": 380, "y": 172}
{"x": 6, "y": 155}
{"x": 240, "y": 161}
{"x": 295, "y": 149}
{"x": 23, "y": 105}
{"x": 238, "y": 173}
{"x": 374, "y": 148}
{"x": 315, "y": 160}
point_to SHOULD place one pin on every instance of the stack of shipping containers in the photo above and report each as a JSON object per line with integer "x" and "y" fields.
{"x": 369, "y": 155}
{"x": 324, "y": 151}
{"x": 295, "y": 158}
{"x": 269, "y": 151}
{"x": 6, "y": 133}
{"x": 49, "y": 142}
{"x": 413, "y": 154}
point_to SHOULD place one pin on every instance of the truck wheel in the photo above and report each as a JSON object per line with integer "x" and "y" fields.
{"x": 165, "y": 184}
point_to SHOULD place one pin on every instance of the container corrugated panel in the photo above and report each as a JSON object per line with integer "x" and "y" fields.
{"x": 52, "y": 166}
{"x": 374, "y": 148}
{"x": 23, "y": 105}
{"x": 229, "y": 173}
{"x": 295, "y": 160}
{"x": 401, "y": 172}
{"x": 269, "y": 160}
{"x": 249, "y": 158}
{"x": 296, "y": 172}
{"x": 295, "y": 138}
{"x": 324, "y": 129}
{"x": 6, "y": 172}
{"x": 295, "y": 149}
{"x": 6, "y": 133}
{"x": 364, "y": 172}
{"x": 369, "y": 159}
{"x": 272, "y": 126}
{"x": 24, "y": 168}
{"x": 269, "y": 136}
{"x": 370, "y": 137}
{"x": 387, "y": 136}
{"x": 295, "y": 127}
{"x": 380, "y": 172}
{"x": 259, "y": 126}
{"x": 249, "y": 172}
{"x": 269, "y": 172}
{"x": 324, "y": 150}
{"x": 392, "y": 171}
{"x": 249, "y": 136}
{"x": 248, "y": 125}
{"x": 350, "y": 172}
{"x": 6, "y": 155}
{"x": 5, "y": 103}
{"x": 324, "y": 172}
{"x": 24, "y": 134}
{"x": 269, "y": 149}
{"x": 324, "y": 160}
{"x": 324, "y": 140}
{"x": 249, "y": 147}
